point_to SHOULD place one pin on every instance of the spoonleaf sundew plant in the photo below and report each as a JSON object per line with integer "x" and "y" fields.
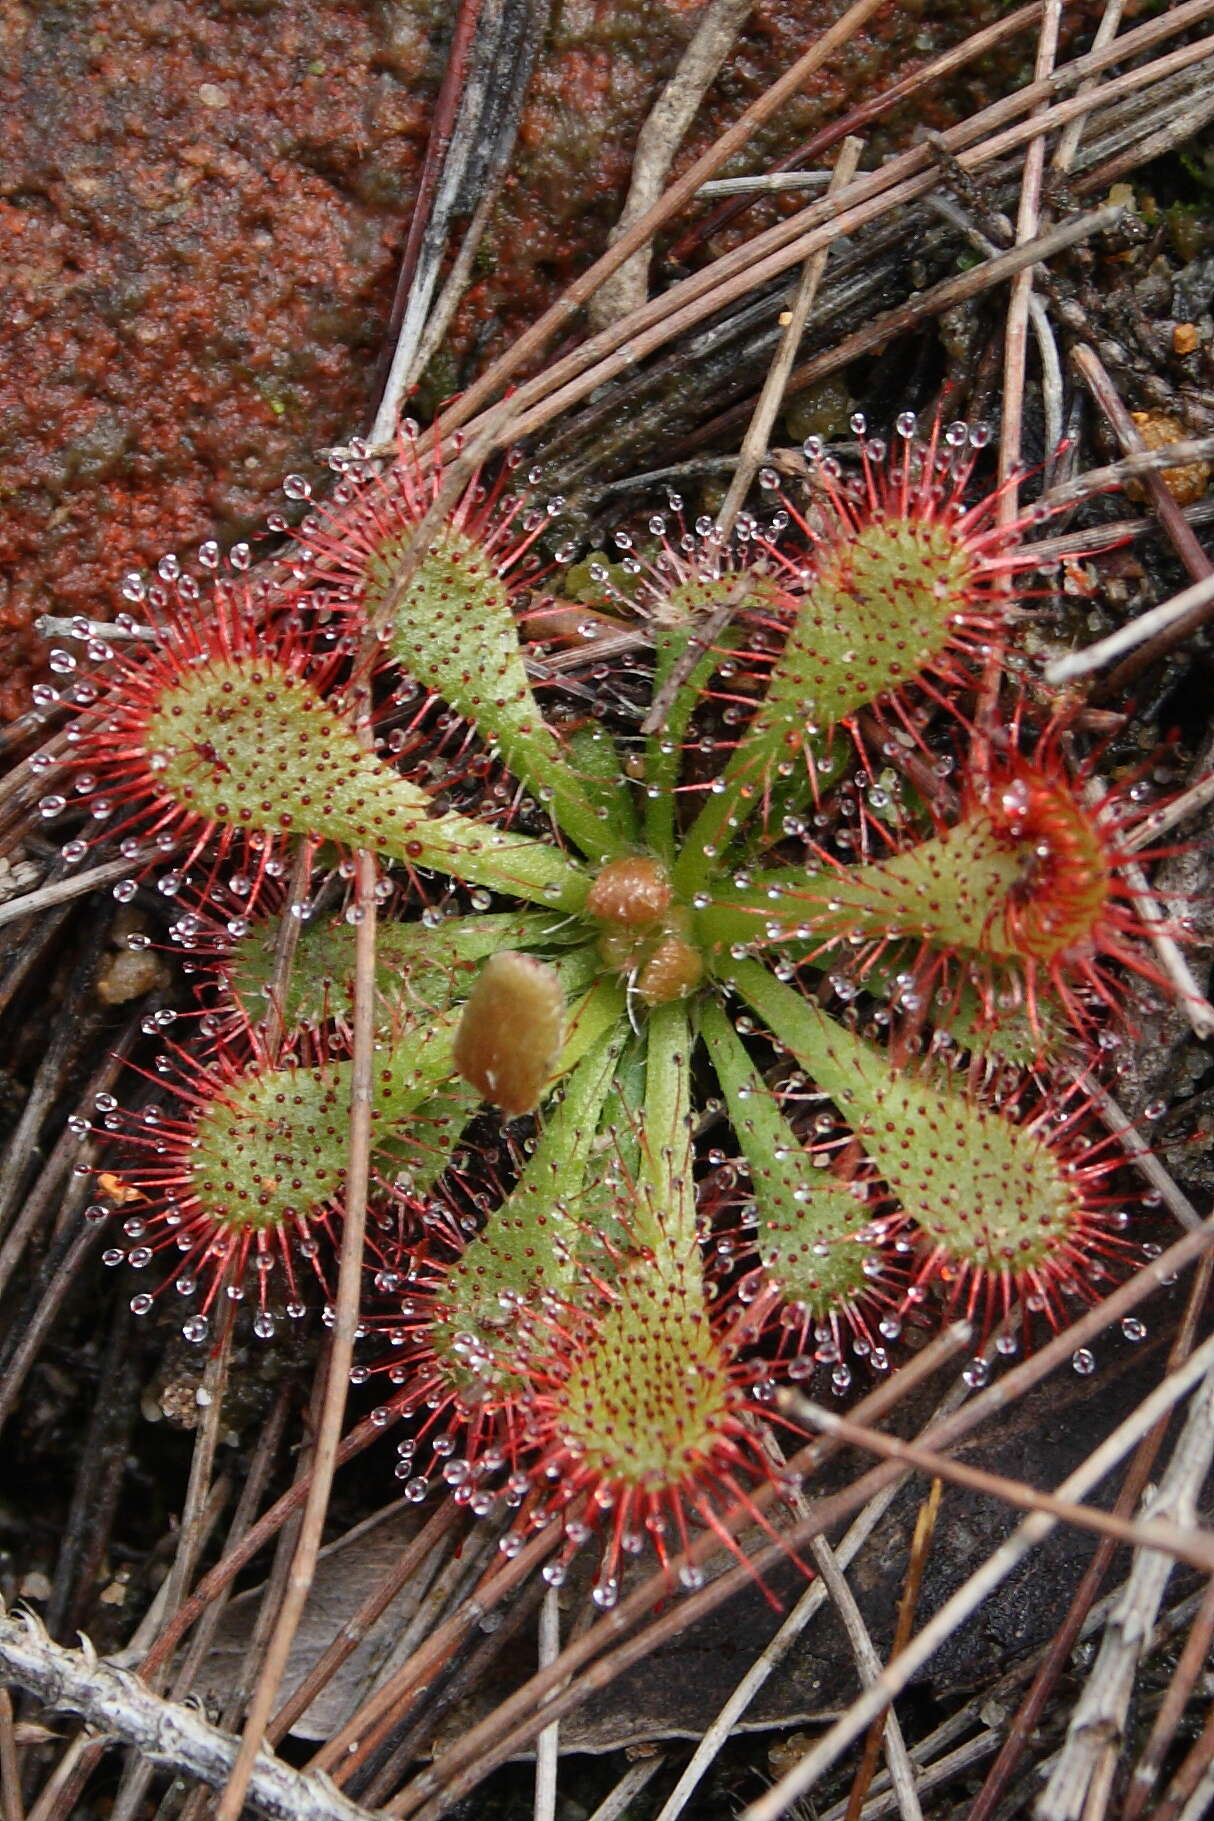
{"x": 706, "y": 1057}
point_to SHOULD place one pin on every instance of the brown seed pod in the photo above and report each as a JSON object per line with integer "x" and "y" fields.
{"x": 633, "y": 891}
{"x": 509, "y": 1038}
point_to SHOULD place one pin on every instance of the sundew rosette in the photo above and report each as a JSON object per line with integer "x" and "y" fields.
{"x": 580, "y": 1021}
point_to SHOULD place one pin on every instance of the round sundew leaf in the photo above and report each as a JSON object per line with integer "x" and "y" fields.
{"x": 273, "y": 1150}
{"x": 243, "y": 742}
{"x": 898, "y": 584}
{"x": 984, "y": 887}
{"x": 639, "y": 1403}
{"x": 649, "y": 1397}
{"x": 980, "y": 1005}
{"x": 1020, "y": 903}
{"x": 880, "y": 611}
{"x": 988, "y": 1192}
{"x": 952, "y": 890}
{"x": 454, "y": 631}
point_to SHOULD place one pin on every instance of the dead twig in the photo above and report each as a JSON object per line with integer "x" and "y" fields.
{"x": 286, "y": 943}
{"x": 195, "y": 1516}
{"x": 548, "y": 1745}
{"x": 1170, "y": 815}
{"x": 1189, "y": 1793}
{"x": 904, "y": 179}
{"x": 1188, "y": 115}
{"x": 1068, "y": 144}
{"x": 769, "y": 1660}
{"x": 1091, "y": 370}
{"x": 535, "y": 339}
{"x": 765, "y": 183}
{"x": 1189, "y": 996}
{"x": 1093, "y": 1741}
{"x": 857, "y": 120}
{"x": 252, "y": 1493}
{"x": 447, "y": 1599}
{"x": 472, "y": 135}
{"x": 54, "y": 1185}
{"x": 57, "y": 1285}
{"x": 921, "y": 1542}
{"x": 1130, "y": 467}
{"x": 23, "y": 1147}
{"x": 427, "y": 1712}
{"x": 934, "y": 301}
{"x": 1191, "y": 1544}
{"x": 1028, "y": 228}
{"x": 897, "y": 1759}
{"x": 630, "y": 1785}
{"x": 64, "y": 890}
{"x": 1180, "y": 1689}
{"x": 117, "y": 1703}
{"x": 341, "y": 1348}
{"x": 658, "y": 141}
{"x": 385, "y": 1707}
{"x": 356, "y": 1627}
{"x": 1139, "y": 1151}
{"x": 758, "y": 431}
{"x": 12, "y": 1808}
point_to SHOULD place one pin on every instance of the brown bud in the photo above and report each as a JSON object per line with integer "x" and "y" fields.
{"x": 672, "y": 971}
{"x": 634, "y": 892}
{"x": 509, "y": 1038}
